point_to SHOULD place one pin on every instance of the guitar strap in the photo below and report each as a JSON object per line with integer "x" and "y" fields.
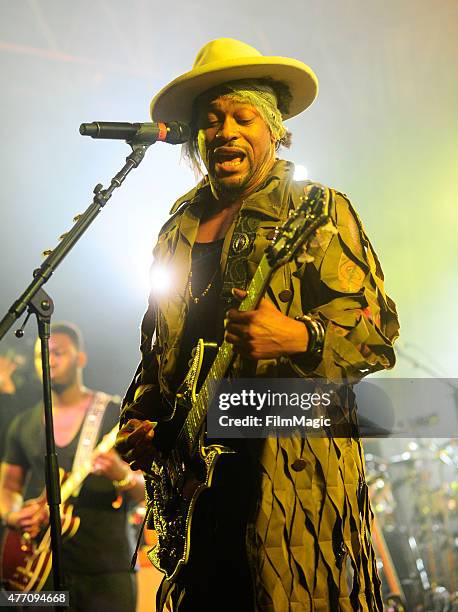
{"x": 236, "y": 274}
{"x": 90, "y": 432}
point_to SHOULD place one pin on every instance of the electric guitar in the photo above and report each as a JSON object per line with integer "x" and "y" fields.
{"x": 26, "y": 561}
{"x": 186, "y": 469}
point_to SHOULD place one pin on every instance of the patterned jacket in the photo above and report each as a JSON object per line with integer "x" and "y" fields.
{"x": 323, "y": 506}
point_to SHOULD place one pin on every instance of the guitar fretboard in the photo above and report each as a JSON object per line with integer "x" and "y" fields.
{"x": 198, "y": 412}
{"x": 74, "y": 480}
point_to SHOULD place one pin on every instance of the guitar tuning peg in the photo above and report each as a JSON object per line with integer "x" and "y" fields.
{"x": 77, "y": 218}
{"x": 47, "y": 252}
{"x": 63, "y": 236}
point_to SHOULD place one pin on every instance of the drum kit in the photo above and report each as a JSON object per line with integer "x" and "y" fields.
{"x": 413, "y": 486}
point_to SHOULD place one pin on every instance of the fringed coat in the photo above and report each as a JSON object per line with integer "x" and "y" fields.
{"x": 308, "y": 540}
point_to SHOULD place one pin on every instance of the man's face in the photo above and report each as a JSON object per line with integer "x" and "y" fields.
{"x": 235, "y": 145}
{"x": 65, "y": 360}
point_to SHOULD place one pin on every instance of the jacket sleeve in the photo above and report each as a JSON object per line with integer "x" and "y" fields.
{"x": 143, "y": 399}
{"x": 344, "y": 288}
{"x": 143, "y": 394}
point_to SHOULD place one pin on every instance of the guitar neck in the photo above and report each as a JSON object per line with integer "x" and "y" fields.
{"x": 311, "y": 217}
{"x": 223, "y": 359}
{"x": 75, "y": 478}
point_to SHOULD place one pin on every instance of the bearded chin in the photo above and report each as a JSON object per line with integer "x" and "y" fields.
{"x": 230, "y": 191}
{"x": 59, "y": 388}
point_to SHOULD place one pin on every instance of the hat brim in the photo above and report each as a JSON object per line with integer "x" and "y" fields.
{"x": 174, "y": 101}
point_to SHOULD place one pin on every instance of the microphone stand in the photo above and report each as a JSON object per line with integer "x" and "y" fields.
{"x": 434, "y": 373}
{"x": 428, "y": 369}
{"x": 39, "y": 303}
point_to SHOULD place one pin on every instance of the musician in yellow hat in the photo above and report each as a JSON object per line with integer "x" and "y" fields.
{"x": 289, "y": 527}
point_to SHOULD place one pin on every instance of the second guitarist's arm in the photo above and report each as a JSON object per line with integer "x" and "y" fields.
{"x": 111, "y": 466}
{"x": 30, "y": 516}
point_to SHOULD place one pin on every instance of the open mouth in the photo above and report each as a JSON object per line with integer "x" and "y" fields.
{"x": 227, "y": 159}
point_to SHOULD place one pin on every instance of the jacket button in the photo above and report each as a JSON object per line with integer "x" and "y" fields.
{"x": 285, "y": 295}
{"x": 298, "y": 465}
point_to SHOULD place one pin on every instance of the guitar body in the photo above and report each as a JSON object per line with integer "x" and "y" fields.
{"x": 27, "y": 562}
{"x": 180, "y": 479}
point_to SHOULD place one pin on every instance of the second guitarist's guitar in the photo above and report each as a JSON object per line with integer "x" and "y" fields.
{"x": 185, "y": 467}
{"x": 27, "y": 562}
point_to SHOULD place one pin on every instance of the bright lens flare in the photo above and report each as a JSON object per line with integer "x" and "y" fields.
{"x": 160, "y": 279}
{"x": 300, "y": 173}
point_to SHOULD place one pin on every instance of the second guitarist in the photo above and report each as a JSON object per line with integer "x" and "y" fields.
{"x": 97, "y": 558}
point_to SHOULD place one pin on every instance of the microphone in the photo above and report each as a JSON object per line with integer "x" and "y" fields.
{"x": 174, "y": 132}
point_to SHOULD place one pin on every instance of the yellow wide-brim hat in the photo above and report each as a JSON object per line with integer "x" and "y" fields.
{"x": 226, "y": 59}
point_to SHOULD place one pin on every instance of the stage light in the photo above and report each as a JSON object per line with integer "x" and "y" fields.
{"x": 300, "y": 172}
{"x": 443, "y": 456}
{"x": 160, "y": 279}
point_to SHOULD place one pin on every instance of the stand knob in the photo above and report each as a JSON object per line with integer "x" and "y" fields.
{"x": 19, "y": 333}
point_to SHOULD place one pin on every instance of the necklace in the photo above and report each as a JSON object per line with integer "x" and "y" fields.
{"x": 196, "y": 299}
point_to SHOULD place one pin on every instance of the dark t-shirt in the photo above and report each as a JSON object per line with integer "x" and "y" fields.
{"x": 26, "y": 395}
{"x": 203, "y": 320}
{"x": 102, "y": 542}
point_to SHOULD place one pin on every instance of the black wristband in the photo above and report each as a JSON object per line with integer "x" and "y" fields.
{"x": 316, "y": 333}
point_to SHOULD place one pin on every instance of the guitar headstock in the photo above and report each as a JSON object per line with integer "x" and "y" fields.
{"x": 292, "y": 239}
